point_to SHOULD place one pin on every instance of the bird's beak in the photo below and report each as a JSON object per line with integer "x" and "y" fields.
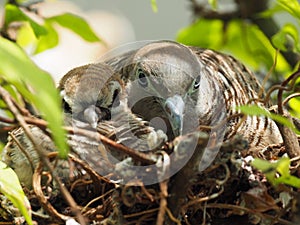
{"x": 174, "y": 107}
{"x": 90, "y": 115}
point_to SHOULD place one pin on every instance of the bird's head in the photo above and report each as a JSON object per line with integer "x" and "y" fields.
{"x": 167, "y": 76}
{"x": 89, "y": 92}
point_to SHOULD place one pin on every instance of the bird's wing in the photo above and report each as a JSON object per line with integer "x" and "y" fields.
{"x": 231, "y": 72}
{"x": 129, "y": 130}
{"x": 240, "y": 87}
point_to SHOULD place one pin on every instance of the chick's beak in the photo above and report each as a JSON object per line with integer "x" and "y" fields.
{"x": 91, "y": 116}
{"x": 174, "y": 107}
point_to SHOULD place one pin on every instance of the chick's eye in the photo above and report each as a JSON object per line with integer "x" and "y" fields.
{"x": 197, "y": 82}
{"x": 66, "y": 107}
{"x": 142, "y": 78}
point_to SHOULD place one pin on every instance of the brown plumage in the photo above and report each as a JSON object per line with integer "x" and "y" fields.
{"x": 210, "y": 85}
{"x": 97, "y": 89}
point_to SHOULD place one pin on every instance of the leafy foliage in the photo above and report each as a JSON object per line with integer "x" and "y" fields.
{"x": 17, "y": 69}
{"x": 280, "y": 39}
{"x": 46, "y": 41}
{"x": 246, "y": 41}
{"x": 11, "y": 188}
{"x": 291, "y": 6}
{"x": 273, "y": 169}
{"x": 14, "y": 14}
{"x": 154, "y": 5}
{"x": 213, "y": 3}
{"x": 76, "y": 24}
{"x": 254, "y": 110}
{"x": 249, "y": 43}
{"x": 45, "y": 35}
{"x": 242, "y": 36}
{"x": 23, "y": 78}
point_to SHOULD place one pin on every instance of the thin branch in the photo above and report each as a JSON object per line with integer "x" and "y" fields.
{"x": 289, "y": 137}
{"x": 185, "y": 177}
{"x": 269, "y": 27}
{"x": 287, "y": 99}
{"x": 292, "y": 78}
{"x": 247, "y": 210}
{"x": 201, "y": 11}
{"x": 8, "y": 100}
{"x": 267, "y": 77}
{"x": 142, "y": 157}
{"x": 163, "y": 202}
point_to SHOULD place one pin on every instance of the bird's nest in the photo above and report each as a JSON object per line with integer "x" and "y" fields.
{"x": 229, "y": 191}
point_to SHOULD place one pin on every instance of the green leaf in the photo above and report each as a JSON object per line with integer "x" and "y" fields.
{"x": 203, "y": 33}
{"x": 291, "y": 6}
{"x": 289, "y": 180}
{"x": 47, "y": 41}
{"x": 283, "y": 166}
{"x": 264, "y": 165}
{"x": 11, "y": 188}
{"x": 245, "y": 41}
{"x": 17, "y": 69}
{"x": 50, "y": 38}
{"x": 294, "y": 103}
{"x": 76, "y": 24}
{"x": 213, "y": 4}
{"x": 26, "y": 36}
{"x": 249, "y": 44}
{"x": 13, "y": 14}
{"x": 270, "y": 169}
{"x": 255, "y": 110}
{"x": 154, "y": 6}
{"x": 280, "y": 39}
{"x": 271, "y": 11}
{"x": 14, "y": 93}
{"x": 1, "y": 147}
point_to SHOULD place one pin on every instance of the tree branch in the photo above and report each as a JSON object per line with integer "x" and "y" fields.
{"x": 7, "y": 99}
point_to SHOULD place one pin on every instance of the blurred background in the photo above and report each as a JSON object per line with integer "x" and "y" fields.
{"x": 116, "y": 22}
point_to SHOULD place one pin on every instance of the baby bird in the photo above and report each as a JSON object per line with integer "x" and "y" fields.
{"x": 88, "y": 93}
{"x": 93, "y": 98}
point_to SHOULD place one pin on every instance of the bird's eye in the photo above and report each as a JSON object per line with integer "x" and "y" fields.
{"x": 142, "y": 78}
{"x": 67, "y": 108}
{"x": 116, "y": 97}
{"x": 197, "y": 82}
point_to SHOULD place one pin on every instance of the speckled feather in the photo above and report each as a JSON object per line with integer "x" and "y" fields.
{"x": 123, "y": 127}
{"x": 221, "y": 73}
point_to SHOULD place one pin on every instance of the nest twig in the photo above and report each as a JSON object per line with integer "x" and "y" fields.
{"x": 187, "y": 197}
